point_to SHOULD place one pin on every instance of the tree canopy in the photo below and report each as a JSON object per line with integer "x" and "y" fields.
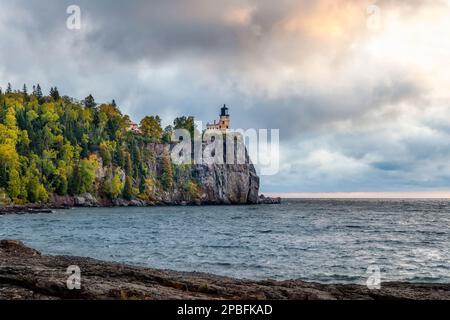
{"x": 151, "y": 127}
{"x": 55, "y": 145}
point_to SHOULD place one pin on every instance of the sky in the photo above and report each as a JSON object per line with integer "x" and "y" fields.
{"x": 358, "y": 89}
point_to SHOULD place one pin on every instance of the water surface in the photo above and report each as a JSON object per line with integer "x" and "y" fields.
{"x": 315, "y": 240}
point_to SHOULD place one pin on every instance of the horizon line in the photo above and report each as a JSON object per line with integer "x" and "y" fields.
{"x": 361, "y": 195}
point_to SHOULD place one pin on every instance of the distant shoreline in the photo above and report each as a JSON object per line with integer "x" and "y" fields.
{"x": 362, "y": 195}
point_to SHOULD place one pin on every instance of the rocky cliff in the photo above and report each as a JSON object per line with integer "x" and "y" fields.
{"x": 213, "y": 183}
{"x": 227, "y": 184}
{"x": 193, "y": 184}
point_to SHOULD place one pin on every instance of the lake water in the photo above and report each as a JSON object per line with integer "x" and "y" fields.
{"x": 315, "y": 240}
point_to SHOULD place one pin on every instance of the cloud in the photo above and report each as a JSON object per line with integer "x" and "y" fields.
{"x": 358, "y": 109}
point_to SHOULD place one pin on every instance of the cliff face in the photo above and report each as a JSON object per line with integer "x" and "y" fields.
{"x": 214, "y": 183}
{"x": 178, "y": 184}
{"x": 228, "y": 184}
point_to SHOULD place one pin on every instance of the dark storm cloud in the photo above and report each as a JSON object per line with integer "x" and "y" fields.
{"x": 141, "y": 29}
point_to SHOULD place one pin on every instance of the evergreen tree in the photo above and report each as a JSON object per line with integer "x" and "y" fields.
{"x": 89, "y": 102}
{"x": 9, "y": 89}
{"x": 128, "y": 188}
{"x": 24, "y": 90}
{"x": 38, "y": 93}
{"x": 167, "y": 172}
{"x": 74, "y": 185}
{"x": 128, "y": 164}
{"x": 61, "y": 185}
{"x": 54, "y": 93}
{"x": 167, "y": 134}
{"x": 119, "y": 157}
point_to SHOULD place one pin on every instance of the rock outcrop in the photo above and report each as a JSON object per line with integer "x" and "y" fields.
{"x": 26, "y": 274}
{"x": 268, "y": 200}
{"x": 85, "y": 200}
{"x": 227, "y": 184}
{"x": 217, "y": 183}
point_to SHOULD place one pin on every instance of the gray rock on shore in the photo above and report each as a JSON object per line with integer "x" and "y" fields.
{"x": 268, "y": 200}
{"x": 85, "y": 200}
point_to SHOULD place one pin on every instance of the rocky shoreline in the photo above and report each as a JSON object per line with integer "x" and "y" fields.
{"x": 88, "y": 201}
{"x": 26, "y": 274}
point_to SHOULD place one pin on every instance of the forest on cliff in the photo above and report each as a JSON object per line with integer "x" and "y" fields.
{"x": 55, "y": 145}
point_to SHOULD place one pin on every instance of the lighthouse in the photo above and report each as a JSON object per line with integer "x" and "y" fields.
{"x": 224, "y": 121}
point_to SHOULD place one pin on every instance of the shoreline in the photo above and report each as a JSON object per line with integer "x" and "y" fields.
{"x": 26, "y": 274}
{"x": 120, "y": 203}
